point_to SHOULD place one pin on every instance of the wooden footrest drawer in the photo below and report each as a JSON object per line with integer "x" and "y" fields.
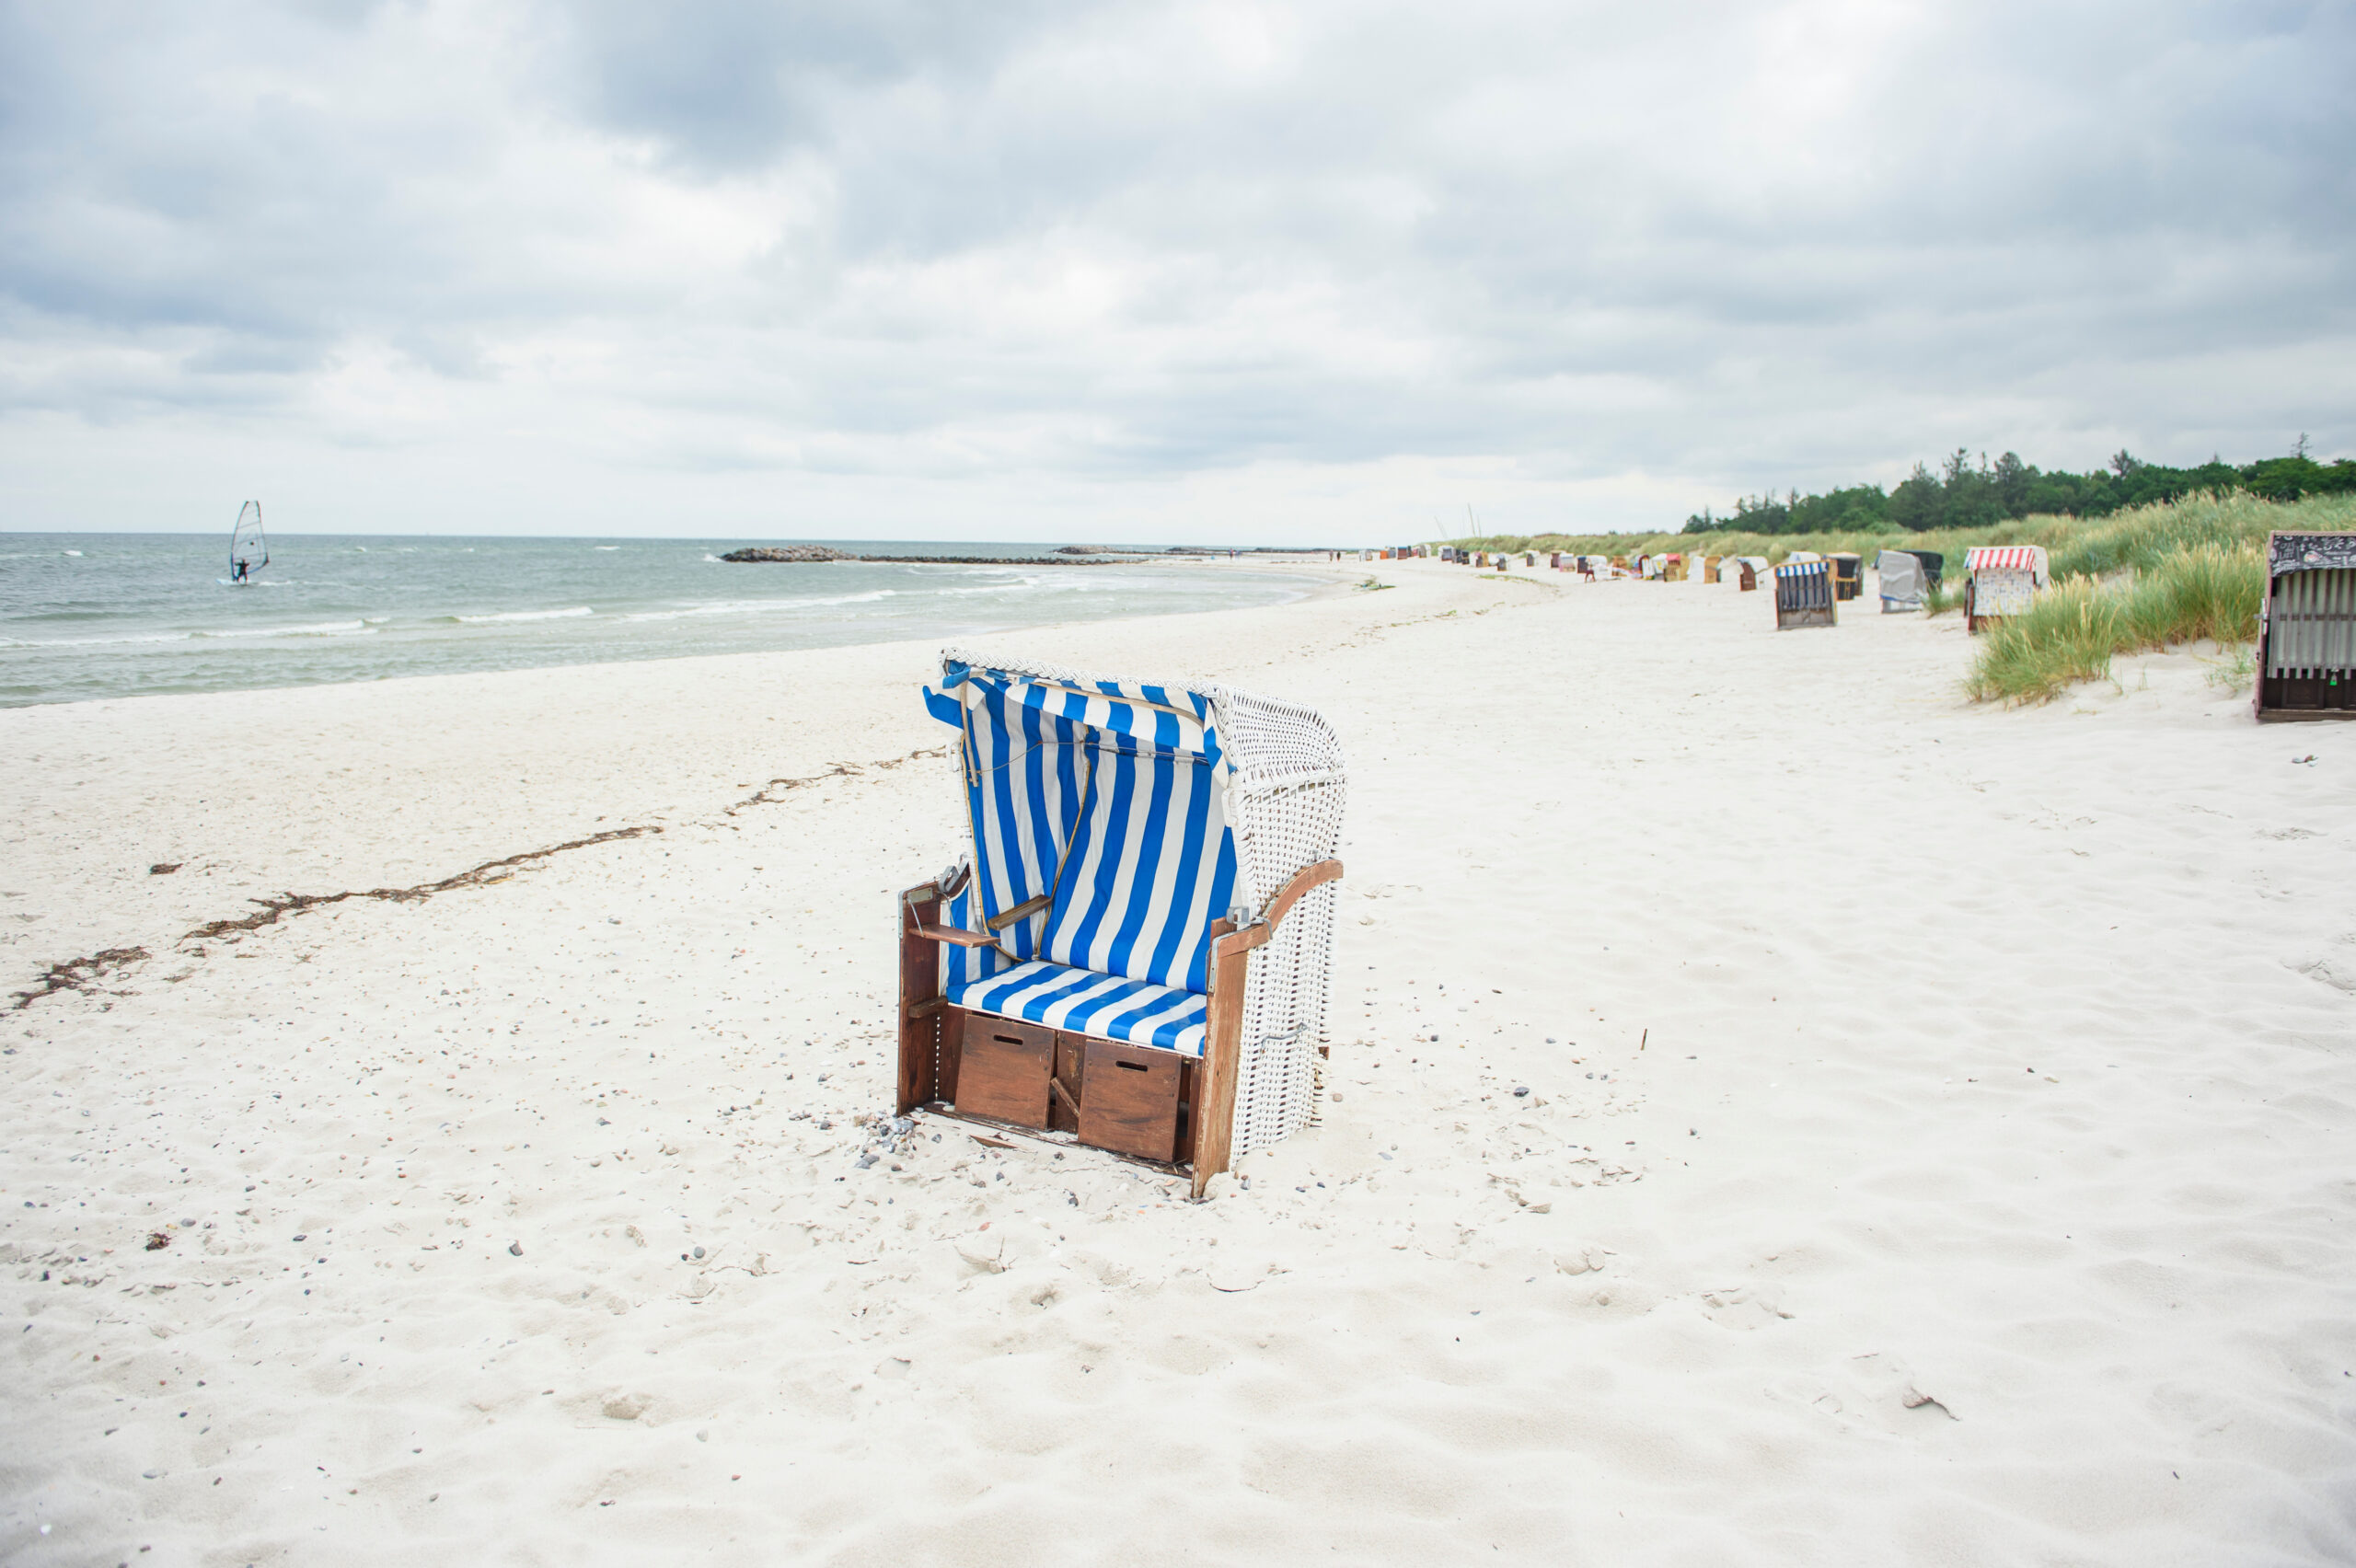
{"x": 1004, "y": 1069}
{"x": 1128, "y": 1099}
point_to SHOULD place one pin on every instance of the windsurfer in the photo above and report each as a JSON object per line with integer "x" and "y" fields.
{"x": 248, "y": 552}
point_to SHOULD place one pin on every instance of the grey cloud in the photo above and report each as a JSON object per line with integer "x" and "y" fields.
{"x": 731, "y": 83}
{"x": 1113, "y": 244}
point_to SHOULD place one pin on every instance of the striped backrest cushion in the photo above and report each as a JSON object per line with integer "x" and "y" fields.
{"x": 959, "y": 964}
{"x": 1023, "y": 789}
{"x": 1151, "y": 864}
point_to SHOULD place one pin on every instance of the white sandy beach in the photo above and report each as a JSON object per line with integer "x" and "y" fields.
{"x": 1937, "y": 1147}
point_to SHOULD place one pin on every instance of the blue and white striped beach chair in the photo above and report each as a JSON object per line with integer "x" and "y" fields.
{"x": 1134, "y": 949}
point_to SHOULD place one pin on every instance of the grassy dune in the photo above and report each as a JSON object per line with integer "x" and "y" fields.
{"x": 2151, "y": 577}
{"x": 2071, "y": 634}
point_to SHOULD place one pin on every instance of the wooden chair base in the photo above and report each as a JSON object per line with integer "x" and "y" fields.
{"x": 1791, "y": 620}
{"x": 1127, "y": 1099}
{"x": 2287, "y": 698}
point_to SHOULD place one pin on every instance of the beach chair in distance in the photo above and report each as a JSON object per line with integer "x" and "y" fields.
{"x": 1804, "y": 594}
{"x": 1899, "y": 577}
{"x": 1848, "y": 574}
{"x": 2000, "y": 580}
{"x": 2306, "y": 628}
{"x": 1748, "y": 569}
{"x": 1934, "y": 565}
{"x": 1134, "y": 955}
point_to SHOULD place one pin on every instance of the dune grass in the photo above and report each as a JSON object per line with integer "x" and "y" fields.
{"x": 2150, "y": 578}
{"x": 2207, "y": 592}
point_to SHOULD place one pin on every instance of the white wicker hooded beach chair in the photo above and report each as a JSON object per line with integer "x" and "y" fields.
{"x": 1135, "y": 950}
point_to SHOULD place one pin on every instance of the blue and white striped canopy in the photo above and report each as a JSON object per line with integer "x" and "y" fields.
{"x": 1111, "y": 797}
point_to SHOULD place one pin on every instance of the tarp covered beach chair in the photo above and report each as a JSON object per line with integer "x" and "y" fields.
{"x": 1900, "y": 575}
{"x": 1934, "y": 565}
{"x": 1136, "y": 953}
{"x": 2000, "y": 580}
{"x": 1803, "y": 594}
{"x": 2306, "y": 628}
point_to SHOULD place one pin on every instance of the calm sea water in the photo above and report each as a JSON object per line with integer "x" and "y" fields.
{"x": 85, "y": 615}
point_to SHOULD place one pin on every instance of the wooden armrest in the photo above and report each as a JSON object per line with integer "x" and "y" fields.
{"x": 1303, "y": 881}
{"x": 953, "y": 934}
{"x": 1022, "y": 911}
{"x": 1227, "y": 943}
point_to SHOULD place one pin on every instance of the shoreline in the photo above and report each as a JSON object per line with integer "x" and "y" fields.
{"x": 1969, "y": 1196}
{"x": 1309, "y": 581}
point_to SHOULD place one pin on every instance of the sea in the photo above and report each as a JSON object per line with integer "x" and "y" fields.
{"x": 85, "y": 616}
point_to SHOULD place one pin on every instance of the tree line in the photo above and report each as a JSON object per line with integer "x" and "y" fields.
{"x": 1963, "y": 494}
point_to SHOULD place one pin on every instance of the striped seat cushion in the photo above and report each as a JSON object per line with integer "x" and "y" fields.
{"x": 1150, "y": 865}
{"x": 1107, "y": 1006}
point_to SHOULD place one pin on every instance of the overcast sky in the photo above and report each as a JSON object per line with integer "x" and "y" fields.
{"x": 1231, "y": 272}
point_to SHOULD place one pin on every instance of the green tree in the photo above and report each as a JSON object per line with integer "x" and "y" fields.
{"x": 1965, "y": 494}
{"x": 2013, "y": 478}
{"x": 1918, "y": 503}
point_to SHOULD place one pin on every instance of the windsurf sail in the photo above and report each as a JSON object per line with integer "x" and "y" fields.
{"x": 249, "y": 550}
